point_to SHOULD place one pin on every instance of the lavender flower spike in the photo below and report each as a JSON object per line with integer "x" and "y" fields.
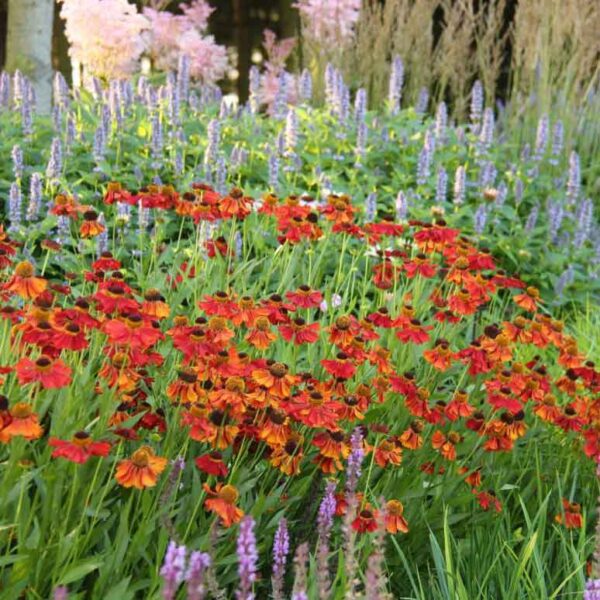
{"x": 173, "y": 569}
{"x": 460, "y": 180}
{"x": 17, "y": 158}
{"x": 247, "y": 558}
{"x": 476, "y": 105}
{"x": 196, "y": 588}
{"x": 61, "y": 593}
{"x": 281, "y": 548}
{"x": 35, "y": 197}
{"x": 395, "y": 87}
{"x": 324, "y": 524}
{"x": 353, "y": 469}
{"x": 300, "y": 559}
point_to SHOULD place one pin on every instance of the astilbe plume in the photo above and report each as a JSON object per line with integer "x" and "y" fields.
{"x": 105, "y": 36}
{"x": 275, "y": 88}
{"x": 329, "y": 20}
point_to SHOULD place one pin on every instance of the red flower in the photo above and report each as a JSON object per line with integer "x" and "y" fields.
{"x": 50, "y": 373}
{"x": 305, "y": 297}
{"x": 79, "y": 449}
{"x": 300, "y": 331}
{"x": 212, "y": 463}
{"x": 571, "y": 517}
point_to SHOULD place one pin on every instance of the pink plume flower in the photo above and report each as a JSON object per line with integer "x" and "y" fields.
{"x": 105, "y": 36}
{"x": 330, "y": 19}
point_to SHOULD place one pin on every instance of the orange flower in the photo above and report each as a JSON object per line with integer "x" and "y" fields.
{"x": 91, "y": 227}
{"x": 23, "y": 423}
{"x": 440, "y": 356}
{"x": 154, "y": 305}
{"x": 24, "y": 283}
{"x": 287, "y": 457}
{"x": 446, "y": 444}
{"x": 394, "y": 520}
{"x": 261, "y": 337}
{"x": 388, "y": 452}
{"x": 50, "y": 373}
{"x": 222, "y": 502}
{"x": 141, "y": 470}
{"x": 276, "y": 379}
{"x": 529, "y": 300}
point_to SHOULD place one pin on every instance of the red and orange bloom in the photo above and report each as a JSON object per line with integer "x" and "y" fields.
{"x": 529, "y": 300}
{"x": 50, "y": 373}
{"x": 141, "y": 470}
{"x": 440, "y": 356}
{"x": 261, "y": 337}
{"x": 132, "y": 331}
{"x": 212, "y": 463}
{"x": 91, "y": 226}
{"x": 222, "y": 501}
{"x": 154, "y": 305}
{"x": 341, "y": 367}
{"x": 23, "y": 422}
{"x": 571, "y": 516}
{"x": 276, "y": 379}
{"x": 287, "y": 458}
{"x": 388, "y": 452}
{"x": 366, "y": 519}
{"x": 79, "y": 449}
{"x": 487, "y": 500}
{"x": 394, "y": 519}
{"x": 300, "y": 331}
{"x": 24, "y": 283}
{"x": 446, "y": 444}
{"x": 305, "y": 297}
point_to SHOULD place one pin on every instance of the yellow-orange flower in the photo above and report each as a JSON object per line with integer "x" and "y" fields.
{"x": 141, "y": 470}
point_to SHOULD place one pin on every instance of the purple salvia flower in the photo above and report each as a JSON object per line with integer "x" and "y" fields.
{"x": 281, "y": 548}
{"x": 61, "y": 593}
{"x": 330, "y": 85}
{"x": 424, "y": 165}
{"x": 422, "y": 101}
{"x": 54, "y": 166}
{"x": 558, "y": 135}
{"x": 375, "y": 586}
{"x": 401, "y": 206}
{"x": 556, "y": 213}
{"x": 4, "y": 90}
{"x": 173, "y": 570}
{"x": 441, "y": 121}
{"x": 56, "y": 117}
{"x": 254, "y": 89}
{"x": 196, "y": 587}
{"x": 441, "y": 188}
{"x": 476, "y": 105}
{"x": 584, "y": 219}
{"x": 324, "y": 524}
{"x": 143, "y": 218}
{"x": 274, "y": 171}
{"x": 360, "y": 105}
{"x": 63, "y": 229}
{"x": 26, "y": 116}
{"x": 487, "y": 174}
{"x": 291, "y": 130}
{"x": 183, "y": 77}
{"x": 17, "y": 160}
{"x": 142, "y": 89}
{"x": 224, "y": 109}
{"x": 305, "y": 86}
{"x": 70, "y": 131}
{"x": 213, "y": 133}
{"x": 541, "y": 138}
{"x": 460, "y": 185}
{"x": 102, "y": 237}
{"x": 344, "y": 104}
{"x": 480, "y": 219}
{"x": 157, "y": 140}
{"x": 362, "y": 133}
{"x": 106, "y": 121}
{"x": 280, "y": 100}
{"x": 565, "y": 280}
{"x": 247, "y": 558}
{"x": 525, "y": 153}
{"x": 532, "y": 218}
{"x": 221, "y": 175}
{"x": 486, "y": 135}
{"x": 14, "y": 206}
{"x": 300, "y": 560}
{"x": 519, "y": 189}
{"x": 574, "y": 179}
{"x": 178, "y": 163}
{"x": 35, "y": 197}
{"x": 592, "y": 590}
{"x": 371, "y": 207}
{"x": 19, "y": 84}
{"x": 395, "y": 85}
{"x": 99, "y": 144}
{"x": 353, "y": 467}
{"x": 501, "y": 195}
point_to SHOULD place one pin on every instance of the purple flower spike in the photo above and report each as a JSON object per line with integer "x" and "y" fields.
{"x": 281, "y": 548}
{"x": 247, "y": 559}
{"x": 173, "y": 569}
{"x": 196, "y": 588}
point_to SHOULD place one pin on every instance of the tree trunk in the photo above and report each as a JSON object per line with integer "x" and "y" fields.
{"x": 29, "y": 45}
